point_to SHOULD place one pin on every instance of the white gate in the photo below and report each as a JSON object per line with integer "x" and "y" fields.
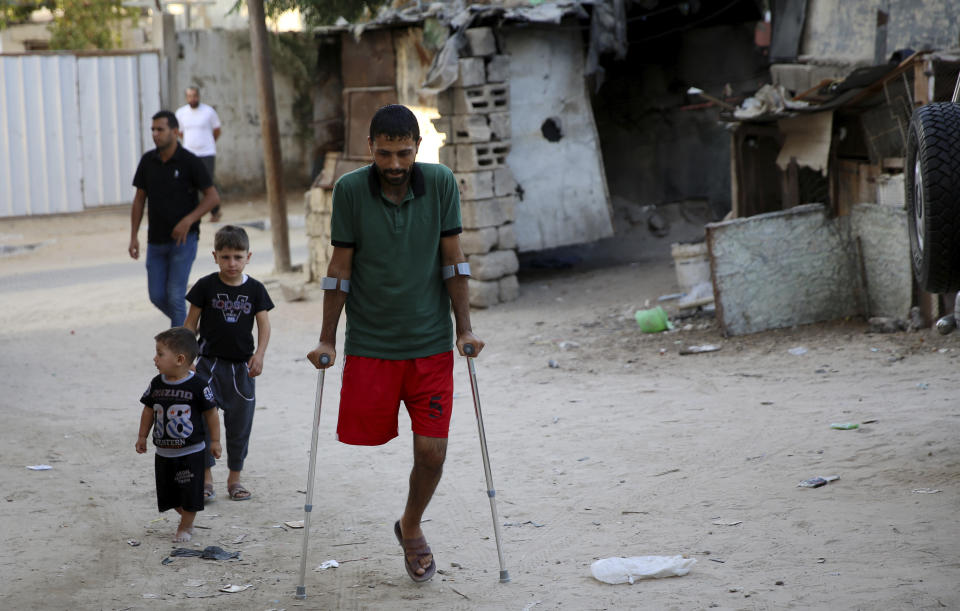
{"x": 72, "y": 129}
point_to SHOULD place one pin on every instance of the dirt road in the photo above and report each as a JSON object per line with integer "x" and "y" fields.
{"x": 626, "y": 448}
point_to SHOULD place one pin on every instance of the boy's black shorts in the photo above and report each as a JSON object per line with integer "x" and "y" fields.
{"x": 180, "y": 482}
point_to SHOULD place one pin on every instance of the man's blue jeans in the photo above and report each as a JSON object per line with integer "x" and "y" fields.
{"x": 168, "y": 269}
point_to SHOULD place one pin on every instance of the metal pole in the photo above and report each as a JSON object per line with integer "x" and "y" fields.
{"x": 491, "y": 493}
{"x": 308, "y": 507}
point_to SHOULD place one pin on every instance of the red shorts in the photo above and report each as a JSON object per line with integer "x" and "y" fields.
{"x": 372, "y": 389}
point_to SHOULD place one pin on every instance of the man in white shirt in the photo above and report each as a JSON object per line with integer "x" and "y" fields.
{"x": 200, "y": 127}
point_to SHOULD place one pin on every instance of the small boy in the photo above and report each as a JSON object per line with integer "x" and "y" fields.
{"x": 225, "y": 304}
{"x": 180, "y": 407}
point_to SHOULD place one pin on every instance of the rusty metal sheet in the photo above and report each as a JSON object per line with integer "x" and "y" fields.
{"x": 360, "y": 104}
{"x": 370, "y": 61}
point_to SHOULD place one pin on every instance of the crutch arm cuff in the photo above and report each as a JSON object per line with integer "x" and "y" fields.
{"x": 458, "y": 269}
{"x": 328, "y": 283}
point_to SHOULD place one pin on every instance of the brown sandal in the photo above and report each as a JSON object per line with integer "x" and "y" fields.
{"x": 238, "y": 493}
{"x": 415, "y": 547}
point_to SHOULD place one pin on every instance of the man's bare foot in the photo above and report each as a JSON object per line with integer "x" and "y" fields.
{"x": 183, "y": 536}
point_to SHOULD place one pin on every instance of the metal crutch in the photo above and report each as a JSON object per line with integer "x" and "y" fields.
{"x": 308, "y": 507}
{"x": 468, "y": 349}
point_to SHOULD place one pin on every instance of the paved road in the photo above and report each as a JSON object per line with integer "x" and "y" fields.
{"x": 57, "y": 278}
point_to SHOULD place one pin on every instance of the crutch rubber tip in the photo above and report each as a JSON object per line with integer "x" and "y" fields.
{"x": 301, "y": 593}
{"x": 504, "y": 576}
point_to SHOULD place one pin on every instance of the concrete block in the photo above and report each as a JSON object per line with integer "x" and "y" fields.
{"x": 319, "y": 252}
{"x": 493, "y": 265}
{"x": 481, "y": 42}
{"x": 506, "y": 237}
{"x": 471, "y": 100}
{"x": 885, "y": 241}
{"x": 318, "y": 225}
{"x": 503, "y": 181}
{"x": 472, "y": 72}
{"x": 483, "y": 294}
{"x": 475, "y": 157}
{"x": 499, "y": 125}
{"x": 507, "y": 208}
{"x": 475, "y": 185}
{"x": 498, "y": 69}
{"x": 293, "y": 291}
{"x": 509, "y": 288}
{"x": 468, "y": 128}
{"x": 444, "y": 126}
{"x": 782, "y": 269}
{"x": 448, "y": 156}
{"x": 477, "y": 214}
{"x": 478, "y": 241}
{"x": 319, "y": 200}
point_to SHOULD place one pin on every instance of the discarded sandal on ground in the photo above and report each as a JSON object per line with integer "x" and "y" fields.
{"x": 419, "y": 547}
{"x": 238, "y": 493}
{"x": 209, "y": 493}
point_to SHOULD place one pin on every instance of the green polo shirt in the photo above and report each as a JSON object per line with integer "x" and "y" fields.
{"x": 398, "y": 306}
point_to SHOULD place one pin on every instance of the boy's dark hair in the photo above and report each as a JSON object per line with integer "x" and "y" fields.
{"x": 232, "y": 237}
{"x": 169, "y": 116}
{"x": 395, "y": 122}
{"x": 181, "y": 340}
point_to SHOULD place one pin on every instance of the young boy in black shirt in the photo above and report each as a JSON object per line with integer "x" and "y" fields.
{"x": 223, "y": 306}
{"x": 180, "y": 407}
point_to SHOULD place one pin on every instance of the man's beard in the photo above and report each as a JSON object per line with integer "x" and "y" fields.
{"x": 394, "y": 179}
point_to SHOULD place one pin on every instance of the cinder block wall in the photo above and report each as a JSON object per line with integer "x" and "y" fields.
{"x": 476, "y": 120}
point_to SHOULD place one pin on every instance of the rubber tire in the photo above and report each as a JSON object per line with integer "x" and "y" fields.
{"x": 933, "y": 210}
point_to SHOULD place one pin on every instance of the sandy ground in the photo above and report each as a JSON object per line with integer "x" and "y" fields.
{"x": 626, "y": 449}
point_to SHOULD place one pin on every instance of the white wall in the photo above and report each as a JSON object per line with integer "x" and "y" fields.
{"x": 565, "y": 190}
{"x": 220, "y": 63}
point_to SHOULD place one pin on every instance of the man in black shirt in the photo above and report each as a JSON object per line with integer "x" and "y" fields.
{"x": 167, "y": 181}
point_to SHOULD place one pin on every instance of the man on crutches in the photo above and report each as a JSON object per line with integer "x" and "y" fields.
{"x": 397, "y": 266}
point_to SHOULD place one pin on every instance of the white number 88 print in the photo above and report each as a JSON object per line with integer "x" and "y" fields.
{"x": 178, "y": 424}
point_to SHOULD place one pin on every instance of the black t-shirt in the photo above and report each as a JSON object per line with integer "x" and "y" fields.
{"x": 227, "y": 315}
{"x": 178, "y": 410}
{"x": 171, "y": 188}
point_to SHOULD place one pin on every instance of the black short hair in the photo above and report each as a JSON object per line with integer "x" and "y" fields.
{"x": 231, "y": 236}
{"x": 180, "y": 340}
{"x": 169, "y": 116}
{"x": 395, "y": 122}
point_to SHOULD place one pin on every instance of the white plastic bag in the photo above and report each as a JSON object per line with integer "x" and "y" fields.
{"x": 626, "y": 570}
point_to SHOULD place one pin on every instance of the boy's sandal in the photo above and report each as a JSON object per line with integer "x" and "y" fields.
{"x": 238, "y": 493}
{"x": 209, "y": 493}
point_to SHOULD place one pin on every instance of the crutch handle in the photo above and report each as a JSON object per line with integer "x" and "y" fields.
{"x": 324, "y": 359}
{"x": 468, "y": 349}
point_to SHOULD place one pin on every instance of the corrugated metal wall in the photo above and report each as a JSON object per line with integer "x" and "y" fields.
{"x": 72, "y": 129}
